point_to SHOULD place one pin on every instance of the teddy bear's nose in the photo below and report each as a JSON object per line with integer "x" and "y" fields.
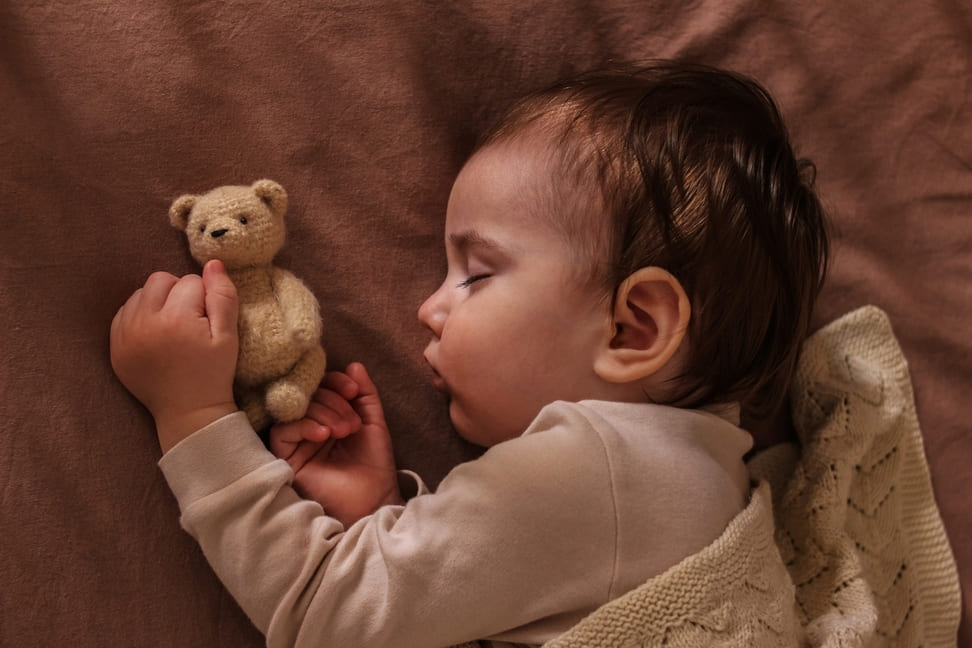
{"x": 218, "y": 233}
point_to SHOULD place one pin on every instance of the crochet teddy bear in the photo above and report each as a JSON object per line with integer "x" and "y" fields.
{"x": 281, "y": 360}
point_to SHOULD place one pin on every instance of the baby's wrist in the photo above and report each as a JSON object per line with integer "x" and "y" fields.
{"x": 175, "y": 426}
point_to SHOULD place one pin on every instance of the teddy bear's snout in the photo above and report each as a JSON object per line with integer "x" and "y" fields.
{"x": 218, "y": 233}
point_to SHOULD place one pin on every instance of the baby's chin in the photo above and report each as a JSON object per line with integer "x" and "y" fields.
{"x": 479, "y": 432}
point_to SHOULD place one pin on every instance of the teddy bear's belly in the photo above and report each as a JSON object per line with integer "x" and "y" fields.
{"x": 267, "y": 348}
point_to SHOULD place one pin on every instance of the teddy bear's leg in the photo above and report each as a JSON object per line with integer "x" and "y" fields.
{"x": 250, "y": 401}
{"x": 288, "y": 397}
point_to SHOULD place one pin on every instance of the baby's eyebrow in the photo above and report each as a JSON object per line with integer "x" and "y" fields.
{"x": 467, "y": 239}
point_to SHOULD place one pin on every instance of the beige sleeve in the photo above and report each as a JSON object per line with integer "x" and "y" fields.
{"x": 510, "y": 540}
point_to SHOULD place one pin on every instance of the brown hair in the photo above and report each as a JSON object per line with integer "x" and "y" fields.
{"x": 694, "y": 169}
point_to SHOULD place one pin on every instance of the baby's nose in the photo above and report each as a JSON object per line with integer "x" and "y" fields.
{"x": 218, "y": 233}
{"x": 432, "y": 314}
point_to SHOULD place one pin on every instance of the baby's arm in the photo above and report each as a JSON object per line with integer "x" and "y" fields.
{"x": 470, "y": 561}
{"x": 341, "y": 451}
{"x": 174, "y": 346}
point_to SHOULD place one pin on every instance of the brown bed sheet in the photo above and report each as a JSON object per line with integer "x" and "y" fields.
{"x": 364, "y": 112}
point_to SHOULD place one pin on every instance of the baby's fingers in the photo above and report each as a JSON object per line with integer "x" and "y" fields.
{"x": 333, "y": 411}
{"x": 288, "y": 442}
{"x": 368, "y": 402}
{"x": 340, "y": 383}
{"x": 286, "y": 437}
{"x": 306, "y": 451}
{"x": 329, "y": 416}
{"x": 153, "y": 295}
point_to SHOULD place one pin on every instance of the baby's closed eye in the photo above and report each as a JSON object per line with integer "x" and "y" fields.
{"x": 469, "y": 281}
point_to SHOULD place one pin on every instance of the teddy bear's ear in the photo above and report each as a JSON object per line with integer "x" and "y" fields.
{"x": 272, "y": 194}
{"x": 179, "y": 211}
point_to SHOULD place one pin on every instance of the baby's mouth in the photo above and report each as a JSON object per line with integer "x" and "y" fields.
{"x": 437, "y": 380}
{"x": 439, "y": 384}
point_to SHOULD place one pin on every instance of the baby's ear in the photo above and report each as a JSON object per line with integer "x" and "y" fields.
{"x": 179, "y": 211}
{"x": 272, "y": 194}
{"x": 651, "y": 316}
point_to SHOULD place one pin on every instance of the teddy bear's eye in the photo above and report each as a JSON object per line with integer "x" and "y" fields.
{"x": 202, "y": 228}
{"x": 243, "y": 220}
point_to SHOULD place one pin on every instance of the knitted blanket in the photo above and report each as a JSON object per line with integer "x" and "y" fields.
{"x": 857, "y": 523}
{"x": 856, "y": 554}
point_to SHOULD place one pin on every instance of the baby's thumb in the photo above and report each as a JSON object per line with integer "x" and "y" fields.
{"x": 222, "y": 303}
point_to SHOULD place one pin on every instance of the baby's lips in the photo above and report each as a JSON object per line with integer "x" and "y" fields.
{"x": 437, "y": 380}
{"x": 439, "y": 384}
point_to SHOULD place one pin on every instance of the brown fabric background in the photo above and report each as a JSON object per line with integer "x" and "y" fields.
{"x": 364, "y": 111}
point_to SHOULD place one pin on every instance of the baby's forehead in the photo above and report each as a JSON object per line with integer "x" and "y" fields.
{"x": 531, "y": 160}
{"x": 527, "y": 175}
{"x": 512, "y": 175}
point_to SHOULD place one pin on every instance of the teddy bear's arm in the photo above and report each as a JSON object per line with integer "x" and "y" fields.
{"x": 300, "y": 308}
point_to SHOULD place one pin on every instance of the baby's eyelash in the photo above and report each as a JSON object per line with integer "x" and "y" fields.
{"x": 465, "y": 283}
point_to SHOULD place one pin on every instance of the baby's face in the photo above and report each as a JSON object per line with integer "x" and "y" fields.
{"x": 513, "y": 330}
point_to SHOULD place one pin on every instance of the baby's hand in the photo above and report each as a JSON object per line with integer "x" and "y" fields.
{"x": 341, "y": 450}
{"x": 329, "y": 417}
{"x": 174, "y": 346}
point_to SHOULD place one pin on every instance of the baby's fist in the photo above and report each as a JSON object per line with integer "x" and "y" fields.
{"x": 174, "y": 345}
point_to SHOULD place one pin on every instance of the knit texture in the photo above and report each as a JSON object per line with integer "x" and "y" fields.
{"x": 867, "y": 562}
{"x": 735, "y": 592}
{"x": 857, "y": 522}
